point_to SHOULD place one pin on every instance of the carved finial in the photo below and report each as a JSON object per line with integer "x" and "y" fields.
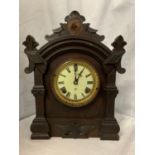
{"x": 32, "y": 53}
{"x": 119, "y": 43}
{"x": 74, "y": 15}
{"x": 116, "y": 55}
{"x": 30, "y": 43}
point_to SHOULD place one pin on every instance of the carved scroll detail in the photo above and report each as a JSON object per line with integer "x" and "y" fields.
{"x": 32, "y": 53}
{"x": 74, "y": 26}
{"x": 75, "y": 130}
{"x": 116, "y": 55}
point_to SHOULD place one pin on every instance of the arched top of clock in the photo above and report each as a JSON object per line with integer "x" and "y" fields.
{"x": 74, "y": 35}
{"x": 74, "y": 28}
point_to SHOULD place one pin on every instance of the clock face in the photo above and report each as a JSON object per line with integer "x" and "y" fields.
{"x": 75, "y": 83}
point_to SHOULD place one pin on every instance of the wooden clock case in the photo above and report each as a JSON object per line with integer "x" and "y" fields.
{"x": 74, "y": 40}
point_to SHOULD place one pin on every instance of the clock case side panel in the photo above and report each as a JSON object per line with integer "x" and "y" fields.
{"x": 110, "y": 126}
{"x": 40, "y": 127}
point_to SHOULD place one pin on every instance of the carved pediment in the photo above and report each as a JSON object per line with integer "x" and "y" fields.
{"x": 74, "y": 26}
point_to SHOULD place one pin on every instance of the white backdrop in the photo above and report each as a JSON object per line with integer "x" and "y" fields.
{"x": 110, "y": 17}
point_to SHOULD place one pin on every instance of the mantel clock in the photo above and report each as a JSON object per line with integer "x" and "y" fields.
{"x": 74, "y": 82}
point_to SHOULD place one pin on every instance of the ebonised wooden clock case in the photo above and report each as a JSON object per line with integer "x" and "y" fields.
{"x": 74, "y": 40}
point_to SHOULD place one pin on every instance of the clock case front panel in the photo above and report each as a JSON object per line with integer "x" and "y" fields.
{"x": 74, "y": 40}
{"x": 58, "y": 112}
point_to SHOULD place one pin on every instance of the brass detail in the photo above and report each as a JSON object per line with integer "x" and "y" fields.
{"x": 75, "y": 26}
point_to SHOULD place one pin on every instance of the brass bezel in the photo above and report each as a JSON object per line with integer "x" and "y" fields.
{"x": 81, "y": 102}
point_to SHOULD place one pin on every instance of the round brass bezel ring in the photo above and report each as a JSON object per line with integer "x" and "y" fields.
{"x": 70, "y": 102}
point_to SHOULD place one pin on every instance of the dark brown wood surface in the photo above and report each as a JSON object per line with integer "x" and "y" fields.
{"x": 74, "y": 40}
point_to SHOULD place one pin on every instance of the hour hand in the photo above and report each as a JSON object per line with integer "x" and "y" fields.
{"x": 75, "y": 74}
{"x": 75, "y": 80}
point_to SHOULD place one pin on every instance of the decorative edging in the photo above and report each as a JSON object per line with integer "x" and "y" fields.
{"x": 38, "y": 90}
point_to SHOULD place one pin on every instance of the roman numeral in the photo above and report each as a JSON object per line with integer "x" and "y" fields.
{"x": 62, "y": 75}
{"x": 82, "y": 94}
{"x": 87, "y": 90}
{"x": 90, "y": 82}
{"x": 68, "y": 70}
{"x": 88, "y": 75}
{"x": 61, "y": 82}
{"x": 63, "y": 89}
{"x": 68, "y": 94}
{"x": 75, "y": 97}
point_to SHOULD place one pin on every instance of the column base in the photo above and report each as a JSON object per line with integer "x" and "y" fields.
{"x": 40, "y": 128}
{"x": 109, "y": 129}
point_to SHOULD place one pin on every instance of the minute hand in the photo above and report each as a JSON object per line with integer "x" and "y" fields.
{"x": 80, "y": 74}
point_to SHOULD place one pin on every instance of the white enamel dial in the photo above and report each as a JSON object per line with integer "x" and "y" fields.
{"x": 76, "y": 83}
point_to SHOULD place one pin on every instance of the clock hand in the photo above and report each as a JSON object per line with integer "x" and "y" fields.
{"x": 75, "y": 74}
{"x": 75, "y": 67}
{"x": 75, "y": 80}
{"x": 80, "y": 74}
